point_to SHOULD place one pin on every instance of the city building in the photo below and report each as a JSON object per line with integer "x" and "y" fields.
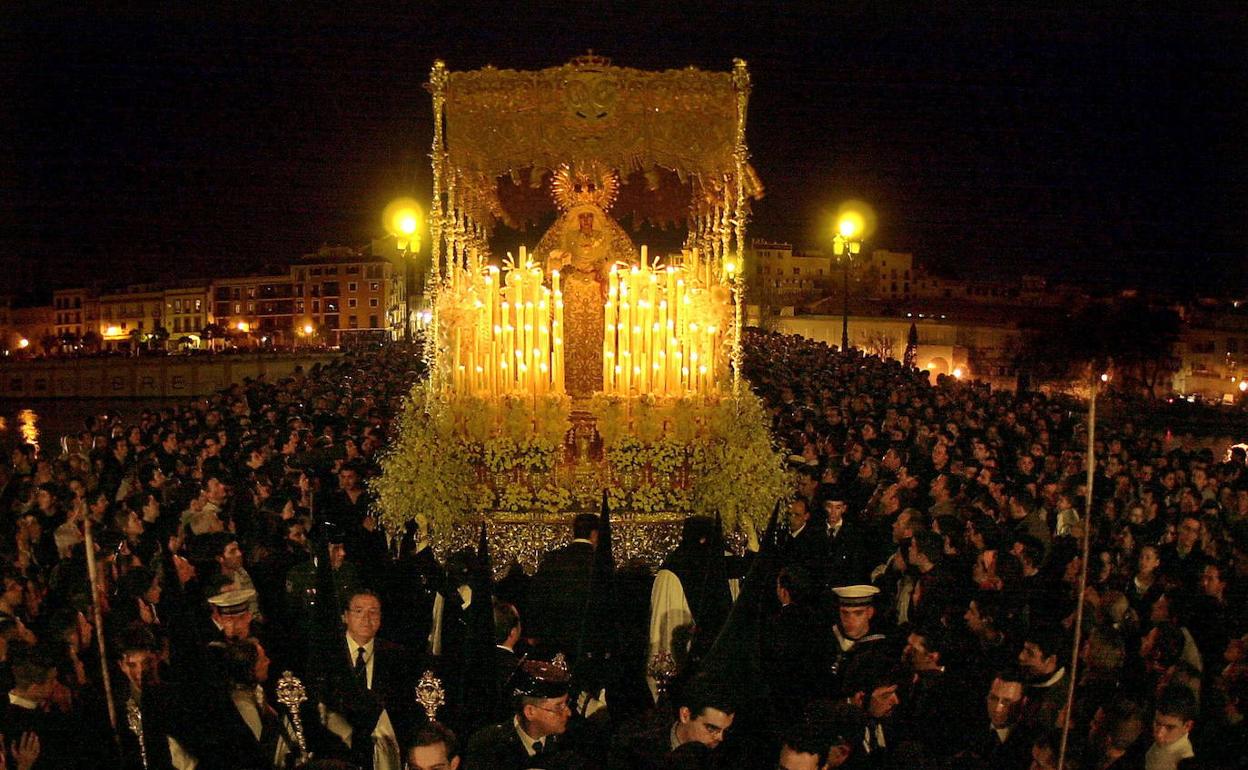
{"x": 256, "y": 307}
{"x": 783, "y": 275}
{"x": 129, "y": 318}
{"x": 187, "y": 312}
{"x": 76, "y": 312}
{"x": 349, "y": 295}
{"x": 1212, "y": 352}
{"x": 337, "y": 295}
{"x": 887, "y": 275}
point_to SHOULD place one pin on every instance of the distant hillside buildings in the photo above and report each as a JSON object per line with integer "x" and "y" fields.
{"x": 333, "y": 296}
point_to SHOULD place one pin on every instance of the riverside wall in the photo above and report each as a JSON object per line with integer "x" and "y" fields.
{"x": 145, "y": 377}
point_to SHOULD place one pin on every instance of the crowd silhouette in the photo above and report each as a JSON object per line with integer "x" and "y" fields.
{"x": 915, "y": 603}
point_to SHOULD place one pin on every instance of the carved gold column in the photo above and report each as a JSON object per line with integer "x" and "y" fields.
{"x": 741, "y": 85}
{"x": 437, "y": 86}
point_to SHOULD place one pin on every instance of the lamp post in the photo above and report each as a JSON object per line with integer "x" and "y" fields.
{"x": 847, "y": 242}
{"x": 402, "y": 219}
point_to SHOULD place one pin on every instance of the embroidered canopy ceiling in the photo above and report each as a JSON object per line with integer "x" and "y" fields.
{"x": 676, "y": 138}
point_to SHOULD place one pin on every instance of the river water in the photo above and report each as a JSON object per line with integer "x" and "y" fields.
{"x": 45, "y": 421}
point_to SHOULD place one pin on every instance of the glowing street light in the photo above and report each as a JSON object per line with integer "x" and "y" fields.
{"x": 242, "y": 326}
{"x": 308, "y": 329}
{"x": 23, "y": 343}
{"x": 403, "y": 219}
{"x": 854, "y": 222}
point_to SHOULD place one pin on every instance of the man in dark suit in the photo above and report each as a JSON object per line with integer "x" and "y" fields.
{"x": 534, "y": 736}
{"x": 1004, "y": 741}
{"x": 845, "y": 547}
{"x": 806, "y": 548}
{"x": 704, "y": 713}
{"x": 34, "y": 675}
{"x": 561, "y": 602}
{"x": 367, "y": 683}
{"x": 507, "y": 630}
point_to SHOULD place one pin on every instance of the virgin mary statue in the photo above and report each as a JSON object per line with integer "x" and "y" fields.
{"x": 583, "y": 244}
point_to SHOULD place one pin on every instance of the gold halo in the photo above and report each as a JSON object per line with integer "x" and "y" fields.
{"x": 577, "y": 187}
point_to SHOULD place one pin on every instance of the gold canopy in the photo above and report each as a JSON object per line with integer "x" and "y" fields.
{"x": 675, "y": 137}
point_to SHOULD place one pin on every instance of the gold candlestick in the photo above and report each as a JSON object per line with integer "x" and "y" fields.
{"x": 663, "y": 668}
{"x": 134, "y": 718}
{"x": 291, "y": 694}
{"x": 430, "y": 695}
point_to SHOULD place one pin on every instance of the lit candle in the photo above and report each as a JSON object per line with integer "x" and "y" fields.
{"x": 543, "y": 342}
{"x": 457, "y": 368}
{"x": 492, "y": 363}
{"x": 624, "y": 362}
{"x": 508, "y": 347}
{"x": 652, "y": 339}
{"x": 610, "y": 354}
{"x": 492, "y": 281}
{"x": 475, "y": 372}
{"x": 530, "y": 338}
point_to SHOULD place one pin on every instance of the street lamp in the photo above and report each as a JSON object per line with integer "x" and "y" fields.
{"x": 851, "y": 228}
{"x": 402, "y": 219}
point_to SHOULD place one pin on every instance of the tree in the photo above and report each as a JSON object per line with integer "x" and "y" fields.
{"x": 1129, "y": 335}
{"x": 912, "y": 348}
{"x": 211, "y": 333}
{"x": 880, "y": 344}
{"x": 158, "y": 338}
{"x": 92, "y": 341}
{"x": 136, "y": 337}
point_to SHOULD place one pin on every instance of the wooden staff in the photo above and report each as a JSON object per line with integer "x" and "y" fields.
{"x": 94, "y": 577}
{"x": 1083, "y": 575}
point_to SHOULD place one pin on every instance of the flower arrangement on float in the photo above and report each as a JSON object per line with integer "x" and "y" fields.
{"x": 456, "y": 460}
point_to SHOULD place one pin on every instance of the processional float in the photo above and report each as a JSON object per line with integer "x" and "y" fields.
{"x": 584, "y": 364}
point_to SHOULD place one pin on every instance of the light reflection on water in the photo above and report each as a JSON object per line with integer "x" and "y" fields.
{"x": 48, "y": 421}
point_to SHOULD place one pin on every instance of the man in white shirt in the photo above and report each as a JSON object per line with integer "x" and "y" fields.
{"x": 1173, "y": 720}
{"x": 365, "y": 685}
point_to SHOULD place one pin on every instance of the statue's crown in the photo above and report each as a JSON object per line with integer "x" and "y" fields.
{"x": 575, "y": 186}
{"x": 591, "y": 61}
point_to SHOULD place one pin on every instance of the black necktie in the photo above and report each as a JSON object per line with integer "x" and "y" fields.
{"x": 537, "y": 748}
{"x": 361, "y": 667}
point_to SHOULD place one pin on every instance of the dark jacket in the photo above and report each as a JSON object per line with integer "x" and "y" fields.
{"x": 395, "y": 673}
{"x": 561, "y": 601}
{"x": 498, "y": 747}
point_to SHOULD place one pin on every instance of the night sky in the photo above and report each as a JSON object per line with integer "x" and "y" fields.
{"x": 1080, "y": 144}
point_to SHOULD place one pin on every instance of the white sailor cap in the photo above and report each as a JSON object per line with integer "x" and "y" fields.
{"x": 856, "y": 596}
{"x": 234, "y": 601}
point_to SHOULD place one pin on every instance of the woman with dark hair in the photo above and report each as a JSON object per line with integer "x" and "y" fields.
{"x": 1145, "y": 585}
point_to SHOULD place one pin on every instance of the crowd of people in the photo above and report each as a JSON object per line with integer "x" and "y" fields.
{"x": 916, "y": 601}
